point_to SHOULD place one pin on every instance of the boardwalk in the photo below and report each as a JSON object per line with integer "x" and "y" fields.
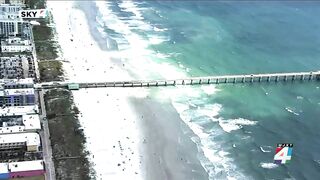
{"x": 249, "y": 78}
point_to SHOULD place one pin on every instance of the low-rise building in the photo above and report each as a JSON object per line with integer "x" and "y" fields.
{"x": 21, "y": 169}
{"x": 16, "y": 83}
{"x": 28, "y": 141}
{"x": 16, "y": 44}
{"x": 17, "y": 67}
{"x": 17, "y": 97}
{"x": 26, "y": 169}
{"x": 19, "y": 124}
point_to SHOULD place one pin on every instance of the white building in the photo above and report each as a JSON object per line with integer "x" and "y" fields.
{"x": 10, "y": 21}
{"x": 12, "y": 141}
{"x": 16, "y": 44}
{"x": 21, "y": 169}
{"x": 31, "y": 122}
{"x": 20, "y": 124}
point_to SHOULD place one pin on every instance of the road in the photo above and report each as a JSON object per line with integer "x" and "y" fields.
{"x": 46, "y": 143}
{"x": 34, "y": 54}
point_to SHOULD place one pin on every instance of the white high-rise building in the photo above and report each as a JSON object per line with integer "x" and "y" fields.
{"x": 10, "y": 21}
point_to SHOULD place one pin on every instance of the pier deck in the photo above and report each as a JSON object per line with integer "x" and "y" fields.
{"x": 226, "y": 79}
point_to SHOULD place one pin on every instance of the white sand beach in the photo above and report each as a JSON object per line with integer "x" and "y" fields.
{"x": 129, "y": 134}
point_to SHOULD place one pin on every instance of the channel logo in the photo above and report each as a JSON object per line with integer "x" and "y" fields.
{"x": 33, "y": 14}
{"x": 283, "y": 153}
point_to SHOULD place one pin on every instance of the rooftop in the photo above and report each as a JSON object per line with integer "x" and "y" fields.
{"x": 16, "y": 81}
{"x": 17, "y": 92}
{"x": 31, "y": 139}
{"x": 31, "y": 121}
{"x": 21, "y": 166}
{"x": 11, "y": 129}
{"x": 19, "y": 110}
{"x": 15, "y": 57}
{"x": 21, "y": 123}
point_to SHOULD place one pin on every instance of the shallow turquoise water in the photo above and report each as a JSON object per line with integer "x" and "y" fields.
{"x": 211, "y": 38}
{"x": 232, "y": 38}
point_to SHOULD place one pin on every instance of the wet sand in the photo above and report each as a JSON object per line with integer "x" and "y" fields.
{"x": 168, "y": 151}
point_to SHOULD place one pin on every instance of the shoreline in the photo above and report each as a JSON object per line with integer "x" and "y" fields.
{"x": 167, "y": 143}
{"x": 123, "y": 152}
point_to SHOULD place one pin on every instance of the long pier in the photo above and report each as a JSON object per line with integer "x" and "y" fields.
{"x": 227, "y": 79}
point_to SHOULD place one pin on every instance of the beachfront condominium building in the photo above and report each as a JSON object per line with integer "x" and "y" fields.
{"x": 16, "y": 44}
{"x": 9, "y": 27}
{"x": 17, "y": 97}
{"x": 17, "y": 67}
{"x": 11, "y": 23}
{"x": 16, "y": 83}
{"x": 26, "y": 141}
{"x": 19, "y": 124}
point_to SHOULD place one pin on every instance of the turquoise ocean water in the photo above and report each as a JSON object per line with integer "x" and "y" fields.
{"x": 202, "y": 38}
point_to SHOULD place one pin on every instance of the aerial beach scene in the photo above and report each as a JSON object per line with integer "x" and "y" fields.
{"x": 207, "y": 132}
{"x": 159, "y": 90}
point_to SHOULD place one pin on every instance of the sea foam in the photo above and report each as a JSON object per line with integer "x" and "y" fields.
{"x": 235, "y": 124}
{"x": 268, "y": 165}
